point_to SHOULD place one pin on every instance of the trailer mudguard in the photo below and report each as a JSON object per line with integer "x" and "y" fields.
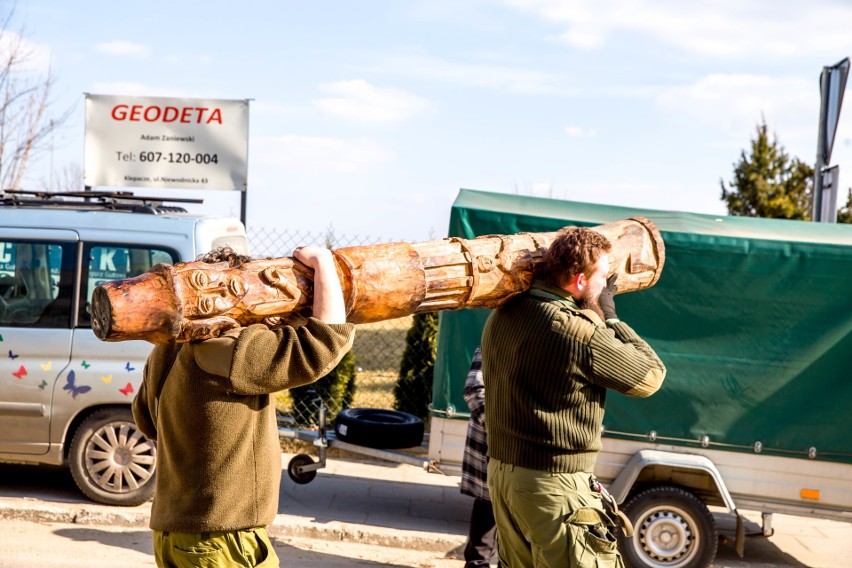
{"x": 621, "y": 485}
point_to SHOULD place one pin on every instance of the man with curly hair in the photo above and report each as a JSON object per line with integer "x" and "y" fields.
{"x": 548, "y": 358}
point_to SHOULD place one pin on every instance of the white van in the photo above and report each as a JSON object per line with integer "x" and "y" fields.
{"x": 65, "y": 395}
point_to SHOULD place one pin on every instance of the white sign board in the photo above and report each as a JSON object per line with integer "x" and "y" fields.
{"x": 166, "y": 143}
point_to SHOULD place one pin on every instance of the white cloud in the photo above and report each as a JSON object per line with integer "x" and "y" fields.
{"x": 760, "y": 28}
{"x": 28, "y": 56}
{"x": 360, "y": 101}
{"x": 580, "y": 132}
{"x": 514, "y": 79}
{"x": 320, "y": 155}
{"x": 734, "y": 103}
{"x": 123, "y": 47}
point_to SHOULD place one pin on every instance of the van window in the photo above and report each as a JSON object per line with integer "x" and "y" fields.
{"x": 108, "y": 262}
{"x": 36, "y": 283}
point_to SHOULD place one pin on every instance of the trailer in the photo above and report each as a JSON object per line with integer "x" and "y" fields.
{"x": 753, "y": 319}
{"x": 380, "y": 429}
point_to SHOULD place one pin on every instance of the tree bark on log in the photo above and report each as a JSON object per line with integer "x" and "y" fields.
{"x": 196, "y": 300}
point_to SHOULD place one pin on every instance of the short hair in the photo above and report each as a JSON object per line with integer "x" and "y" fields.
{"x": 224, "y": 254}
{"x": 575, "y": 250}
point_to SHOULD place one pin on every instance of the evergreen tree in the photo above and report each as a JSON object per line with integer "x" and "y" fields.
{"x": 335, "y": 389}
{"x": 768, "y": 183}
{"x": 413, "y": 390}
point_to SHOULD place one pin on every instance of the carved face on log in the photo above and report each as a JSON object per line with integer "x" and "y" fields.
{"x": 260, "y": 288}
{"x": 216, "y": 291}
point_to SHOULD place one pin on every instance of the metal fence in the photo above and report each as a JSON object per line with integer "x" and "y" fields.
{"x": 376, "y": 355}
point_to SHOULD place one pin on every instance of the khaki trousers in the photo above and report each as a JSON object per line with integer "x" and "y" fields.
{"x": 550, "y": 520}
{"x": 244, "y": 548}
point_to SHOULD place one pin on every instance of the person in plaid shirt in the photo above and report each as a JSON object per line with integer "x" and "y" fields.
{"x": 481, "y": 544}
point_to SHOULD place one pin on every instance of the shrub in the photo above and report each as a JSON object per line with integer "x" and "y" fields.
{"x": 335, "y": 389}
{"x": 413, "y": 390}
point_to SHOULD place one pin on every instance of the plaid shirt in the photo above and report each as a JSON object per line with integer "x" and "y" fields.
{"x": 475, "y": 463}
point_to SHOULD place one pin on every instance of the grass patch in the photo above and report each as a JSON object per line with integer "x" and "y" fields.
{"x": 373, "y": 389}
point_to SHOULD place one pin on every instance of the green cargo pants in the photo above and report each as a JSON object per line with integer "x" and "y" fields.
{"x": 249, "y": 547}
{"x": 550, "y": 520}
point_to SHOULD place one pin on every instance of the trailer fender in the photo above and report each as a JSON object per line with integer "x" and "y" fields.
{"x": 623, "y": 483}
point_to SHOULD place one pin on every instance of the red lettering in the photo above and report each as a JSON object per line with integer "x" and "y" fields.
{"x": 154, "y": 113}
{"x": 215, "y": 116}
{"x": 150, "y": 116}
{"x": 119, "y": 112}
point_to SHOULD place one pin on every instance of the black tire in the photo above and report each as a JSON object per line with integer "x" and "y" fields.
{"x": 111, "y": 461}
{"x": 672, "y": 528}
{"x": 379, "y": 428}
{"x": 298, "y": 476}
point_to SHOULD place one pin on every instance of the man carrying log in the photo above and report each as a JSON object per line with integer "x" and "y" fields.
{"x": 207, "y": 404}
{"x": 549, "y": 356}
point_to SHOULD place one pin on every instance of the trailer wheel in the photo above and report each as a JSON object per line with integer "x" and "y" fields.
{"x": 672, "y": 528}
{"x": 379, "y": 428}
{"x": 295, "y": 472}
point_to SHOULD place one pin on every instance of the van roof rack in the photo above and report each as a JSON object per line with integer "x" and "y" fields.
{"x": 93, "y": 201}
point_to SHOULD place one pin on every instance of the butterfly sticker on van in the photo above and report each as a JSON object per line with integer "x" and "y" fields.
{"x": 71, "y": 387}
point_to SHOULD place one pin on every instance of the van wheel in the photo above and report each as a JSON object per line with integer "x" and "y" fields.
{"x": 672, "y": 528}
{"x": 379, "y": 428}
{"x": 111, "y": 461}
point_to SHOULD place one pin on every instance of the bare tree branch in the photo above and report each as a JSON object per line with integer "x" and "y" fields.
{"x": 26, "y": 124}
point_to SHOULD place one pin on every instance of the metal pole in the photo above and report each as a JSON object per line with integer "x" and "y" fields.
{"x": 244, "y": 192}
{"x": 816, "y": 196}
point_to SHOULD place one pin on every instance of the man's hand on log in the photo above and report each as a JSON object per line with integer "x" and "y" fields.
{"x": 313, "y": 256}
{"x": 328, "y": 306}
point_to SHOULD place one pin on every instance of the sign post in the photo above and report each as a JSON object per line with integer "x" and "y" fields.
{"x": 163, "y": 142}
{"x": 832, "y": 84}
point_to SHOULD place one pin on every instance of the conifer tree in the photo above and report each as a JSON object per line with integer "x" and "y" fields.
{"x": 768, "y": 182}
{"x": 335, "y": 389}
{"x": 413, "y": 390}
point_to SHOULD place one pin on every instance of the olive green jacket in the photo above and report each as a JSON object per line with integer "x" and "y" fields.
{"x": 547, "y": 366}
{"x": 218, "y": 454}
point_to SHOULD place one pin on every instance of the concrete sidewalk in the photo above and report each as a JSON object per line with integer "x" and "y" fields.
{"x": 391, "y": 504}
{"x": 378, "y": 503}
{"x": 370, "y": 502}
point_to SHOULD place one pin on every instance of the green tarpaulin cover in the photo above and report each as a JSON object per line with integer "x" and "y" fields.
{"x": 752, "y": 317}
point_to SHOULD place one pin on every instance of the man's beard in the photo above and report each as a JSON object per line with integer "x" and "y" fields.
{"x": 586, "y": 302}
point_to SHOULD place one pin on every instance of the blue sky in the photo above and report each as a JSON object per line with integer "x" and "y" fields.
{"x": 369, "y": 116}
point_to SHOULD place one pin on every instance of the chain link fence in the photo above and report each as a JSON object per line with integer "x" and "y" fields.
{"x": 368, "y": 377}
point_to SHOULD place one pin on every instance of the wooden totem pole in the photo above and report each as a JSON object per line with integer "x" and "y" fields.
{"x": 197, "y": 300}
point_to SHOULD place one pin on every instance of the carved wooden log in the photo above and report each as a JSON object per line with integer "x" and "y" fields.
{"x": 197, "y": 300}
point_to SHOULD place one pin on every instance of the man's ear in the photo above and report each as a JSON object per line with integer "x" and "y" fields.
{"x": 580, "y": 281}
